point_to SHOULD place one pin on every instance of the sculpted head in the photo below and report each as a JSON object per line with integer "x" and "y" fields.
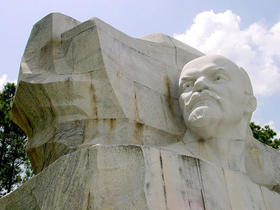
{"x": 216, "y": 97}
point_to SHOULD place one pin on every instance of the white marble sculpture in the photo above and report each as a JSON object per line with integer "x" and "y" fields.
{"x": 87, "y": 83}
{"x": 105, "y": 130}
{"x": 217, "y": 102}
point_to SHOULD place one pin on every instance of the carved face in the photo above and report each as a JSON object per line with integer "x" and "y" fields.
{"x": 213, "y": 91}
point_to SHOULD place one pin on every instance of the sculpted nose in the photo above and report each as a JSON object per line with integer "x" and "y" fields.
{"x": 200, "y": 84}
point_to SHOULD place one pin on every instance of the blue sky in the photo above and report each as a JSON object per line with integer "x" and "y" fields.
{"x": 248, "y": 32}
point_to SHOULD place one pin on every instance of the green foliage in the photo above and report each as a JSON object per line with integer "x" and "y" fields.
{"x": 14, "y": 164}
{"x": 265, "y": 135}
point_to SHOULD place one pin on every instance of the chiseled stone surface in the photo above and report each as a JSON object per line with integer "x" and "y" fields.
{"x": 87, "y": 83}
{"x": 102, "y": 114}
{"x": 138, "y": 177}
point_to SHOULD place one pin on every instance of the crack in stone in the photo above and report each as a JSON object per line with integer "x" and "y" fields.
{"x": 163, "y": 180}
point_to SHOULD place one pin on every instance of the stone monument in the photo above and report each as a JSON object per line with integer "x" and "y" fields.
{"x": 102, "y": 114}
{"x": 217, "y": 103}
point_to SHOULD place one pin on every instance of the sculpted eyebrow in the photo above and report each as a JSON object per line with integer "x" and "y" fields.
{"x": 187, "y": 78}
{"x": 213, "y": 69}
{"x": 216, "y": 70}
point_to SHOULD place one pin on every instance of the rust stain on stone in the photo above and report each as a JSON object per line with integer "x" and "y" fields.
{"x": 112, "y": 124}
{"x": 169, "y": 97}
{"x": 138, "y": 131}
{"x": 85, "y": 127}
{"x": 55, "y": 43}
{"x": 136, "y": 107}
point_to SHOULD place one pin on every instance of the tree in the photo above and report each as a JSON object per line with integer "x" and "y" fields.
{"x": 265, "y": 135}
{"x": 14, "y": 164}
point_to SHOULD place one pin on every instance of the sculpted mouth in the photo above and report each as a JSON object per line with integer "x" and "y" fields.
{"x": 201, "y": 99}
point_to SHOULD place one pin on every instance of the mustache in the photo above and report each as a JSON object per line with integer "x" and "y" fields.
{"x": 198, "y": 96}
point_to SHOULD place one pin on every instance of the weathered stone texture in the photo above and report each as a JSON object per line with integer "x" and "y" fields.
{"x": 138, "y": 177}
{"x": 105, "y": 129}
{"x": 78, "y": 79}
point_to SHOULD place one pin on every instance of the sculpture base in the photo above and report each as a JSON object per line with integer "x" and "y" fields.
{"x": 137, "y": 177}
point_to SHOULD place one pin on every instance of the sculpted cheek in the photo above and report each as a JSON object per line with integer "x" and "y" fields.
{"x": 181, "y": 101}
{"x": 184, "y": 97}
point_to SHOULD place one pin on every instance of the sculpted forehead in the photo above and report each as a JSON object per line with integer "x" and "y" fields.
{"x": 202, "y": 64}
{"x": 206, "y": 62}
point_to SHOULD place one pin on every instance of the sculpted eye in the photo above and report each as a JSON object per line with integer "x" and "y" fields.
{"x": 187, "y": 85}
{"x": 219, "y": 77}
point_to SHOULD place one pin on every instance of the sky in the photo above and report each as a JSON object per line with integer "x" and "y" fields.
{"x": 247, "y": 32}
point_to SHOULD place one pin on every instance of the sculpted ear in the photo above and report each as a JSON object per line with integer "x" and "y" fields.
{"x": 252, "y": 104}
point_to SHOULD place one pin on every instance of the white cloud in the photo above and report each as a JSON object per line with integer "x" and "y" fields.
{"x": 255, "y": 48}
{"x": 3, "y": 80}
{"x": 271, "y": 124}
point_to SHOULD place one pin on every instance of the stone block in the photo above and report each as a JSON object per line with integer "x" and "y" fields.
{"x": 137, "y": 177}
{"x": 73, "y": 73}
